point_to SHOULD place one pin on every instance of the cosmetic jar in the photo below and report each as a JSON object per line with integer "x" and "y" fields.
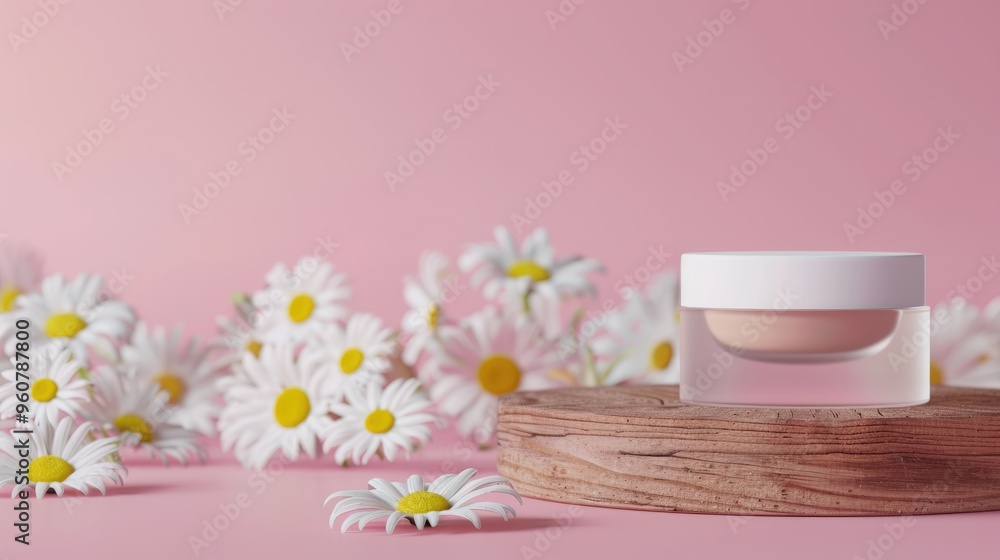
{"x": 804, "y": 329}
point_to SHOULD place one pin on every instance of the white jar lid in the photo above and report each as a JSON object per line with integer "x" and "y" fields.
{"x": 802, "y": 280}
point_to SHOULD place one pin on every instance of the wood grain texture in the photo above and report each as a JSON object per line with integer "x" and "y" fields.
{"x": 641, "y": 448}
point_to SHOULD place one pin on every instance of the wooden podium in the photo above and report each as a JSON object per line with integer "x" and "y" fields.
{"x": 639, "y": 447}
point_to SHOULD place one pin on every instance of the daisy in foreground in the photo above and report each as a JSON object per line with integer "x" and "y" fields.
{"x": 186, "y": 372}
{"x": 421, "y": 503}
{"x": 373, "y": 419}
{"x": 55, "y": 388}
{"x": 275, "y": 403}
{"x": 75, "y": 314}
{"x": 60, "y": 457}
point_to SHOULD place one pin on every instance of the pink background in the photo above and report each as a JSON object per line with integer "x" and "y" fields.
{"x": 323, "y": 177}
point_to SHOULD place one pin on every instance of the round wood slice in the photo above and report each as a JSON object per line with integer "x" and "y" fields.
{"x": 641, "y": 448}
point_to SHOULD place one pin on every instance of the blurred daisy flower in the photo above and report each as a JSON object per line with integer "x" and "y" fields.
{"x": 530, "y": 277}
{"x": 276, "y": 403}
{"x": 425, "y": 296}
{"x": 298, "y": 304}
{"x": 186, "y": 371}
{"x": 76, "y": 314}
{"x": 373, "y": 420}
{"x": 20, "y": 273}
{"x": 965, "y": 350}
{"x": 137, "y": 412}
{"x": 60, "y": 457}
{"x": 640, "y": 340}
{"x": 488, "y": 355}
{"x": 357, "y": 354}
{"x": 239, "y": 335}
{"x": 56, "y": 388}
{"x": 422, "y": 504}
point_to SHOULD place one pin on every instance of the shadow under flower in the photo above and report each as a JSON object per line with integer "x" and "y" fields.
{"x": 141, "y": 489}
{"x": 457, "y": 526}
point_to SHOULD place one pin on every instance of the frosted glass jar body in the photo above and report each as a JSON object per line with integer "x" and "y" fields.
{"x": 805, "y": 358}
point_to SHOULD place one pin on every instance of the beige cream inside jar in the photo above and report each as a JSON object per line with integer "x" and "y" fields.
{"x": 804, "y": 329}
{"x": 803, "y": 336}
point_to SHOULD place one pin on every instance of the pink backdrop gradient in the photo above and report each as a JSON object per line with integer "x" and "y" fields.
{"x": 323, "y": 176}
{"x": 654, "y": 186}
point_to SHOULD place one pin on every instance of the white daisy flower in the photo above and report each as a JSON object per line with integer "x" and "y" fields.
{"x": 75, "y": 314}
{"x": 425, "y": 295}
{"x": 56, "y": 388}
{"x": 186, "y": 372}
{"x": 239, "y": 338}
{"x": 529, "y": 277}
{"x": 357, "y": 354}
{"x": 276, "y": 404}
{"x": 20, "y": 272}
{"x": 59, "y": 457}
{"x": 376, "y": 420}
{"x": 488, "y": 355}
{"x": 965, "y": 350}
{"x": 137, "y": 411}
{"x": 298, "y": 304}
{"x": 640, "y": 339}
{"x": 422, "y": 504}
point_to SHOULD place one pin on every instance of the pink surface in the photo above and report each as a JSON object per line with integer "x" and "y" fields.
{"x": 206, "y": 91}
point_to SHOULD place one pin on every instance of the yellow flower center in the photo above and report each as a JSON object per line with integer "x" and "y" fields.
{"x": 291, "y": 408}
{"x": 499, "y": 375}
{"x": 379, "y": 421}
{"x": 136, "y": 425}
{"x": 937, "y": 374}
{"x": 7, "y": 296}
{"x": 49, "y": 468}
{"x": 433, "y": 315}
{"x": 44, "y": 390}
{"x": 171, "y": 384}
{"x": 528, "y": 268}
{"x": 301, "y": 308}
{"x": 351, "y": 360}
{"x": 661, "y": 355}
{"x": 65, "y": 325}
{"x": 254, "y": 348}
{"x": 422, "y": 502}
